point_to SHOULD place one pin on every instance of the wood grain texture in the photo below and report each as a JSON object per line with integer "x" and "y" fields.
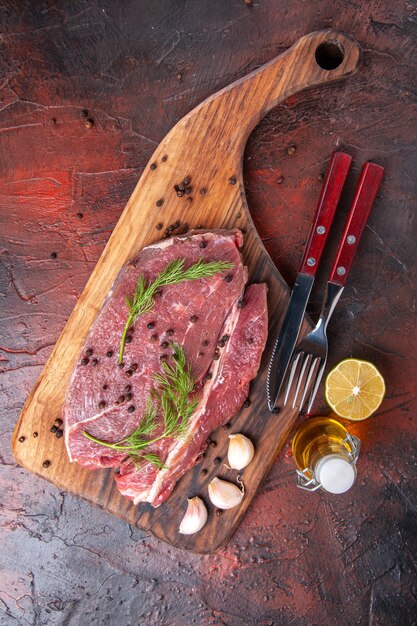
{"x": 207, "y": 145}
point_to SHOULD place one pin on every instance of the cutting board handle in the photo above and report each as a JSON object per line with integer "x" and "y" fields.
{"x": 317, "y": 58}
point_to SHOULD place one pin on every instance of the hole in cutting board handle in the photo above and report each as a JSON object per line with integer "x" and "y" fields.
{"x": 329, "y": 55}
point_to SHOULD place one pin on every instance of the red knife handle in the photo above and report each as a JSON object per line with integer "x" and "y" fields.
{"x": 329, "y": 199}
{"x": 365, "y": 195}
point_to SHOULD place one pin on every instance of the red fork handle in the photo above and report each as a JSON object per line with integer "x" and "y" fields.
{"x": 334, "y": 181}
{"x": 365, "y": 195}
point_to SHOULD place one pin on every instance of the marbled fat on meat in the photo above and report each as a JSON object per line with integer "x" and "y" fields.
{"x": 108, "y": 401}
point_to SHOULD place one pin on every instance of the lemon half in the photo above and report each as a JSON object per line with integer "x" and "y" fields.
{"x": 354, "y": 389}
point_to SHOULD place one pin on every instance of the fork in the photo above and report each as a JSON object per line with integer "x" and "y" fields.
{"x": 310, "y": 356}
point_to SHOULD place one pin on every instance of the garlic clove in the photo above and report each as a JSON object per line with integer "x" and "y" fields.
{"x": 195, "y": 517}
{"x": 223, "y": 494}
{"x": 240, "y": 452}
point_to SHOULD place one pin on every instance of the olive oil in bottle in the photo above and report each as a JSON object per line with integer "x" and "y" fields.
{"x": 326, "y": 455}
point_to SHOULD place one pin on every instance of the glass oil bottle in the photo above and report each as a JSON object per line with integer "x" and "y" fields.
{"x": 326, "y": 455}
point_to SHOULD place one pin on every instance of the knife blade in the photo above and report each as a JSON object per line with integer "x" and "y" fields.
{"x": 334, "y": 181}
{"x": 287, "y": 338}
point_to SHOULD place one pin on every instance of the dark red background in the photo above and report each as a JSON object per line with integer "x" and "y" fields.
{"x": 135, "y": 68}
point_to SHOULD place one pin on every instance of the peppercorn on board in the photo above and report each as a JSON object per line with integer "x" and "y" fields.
{"x": 206, "y": 147}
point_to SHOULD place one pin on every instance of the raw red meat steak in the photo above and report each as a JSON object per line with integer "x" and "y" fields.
{"x": 107, "y": 400}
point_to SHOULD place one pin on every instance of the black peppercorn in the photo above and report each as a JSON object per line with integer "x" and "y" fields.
{"x": 170, "y": 332}
{"x": 128, "y": 387}
{"x": 109, "y": 353}
{"x": 219, "y": 512}
{"x": 204, "y": 472}
{"x": 187, "y": 180}
{"x": 120, "y": 399}
{"x": 134, "y": 367}
{"x": 187, "y": 190}
{"x": 203, "y": 191}
{"x": 128, "y": 397}
{"x": 22, "y": 439}
{"x": 129, "y": 339}
{"x": 232, "y": 180}
{"x": 85, "y": 361}
{"x": 217, "y": 460}
{"x": 209, "y": 375}
{"x": 213, "y": 444}
{"x": 180, "y": 193}
{"x": 101, "y": 404}
{"x": 275, "y": 410}
{"x": 164, "y": 158}
{"x": 216, "y": 357}
{"x": 59, "y": 434}
{"x": 121, "y": 365}
{"x": 228, "y": 278}
{"x": 159, "y": 202}
{"x": 131, "y": 408}
{"x": 250, "y": 340}
{"x": 35, "y": 434}
{"x": 159, "y": 226}
{"x": 153, "y": 338}
{"x": 203, "y": 244}
{"x": 150, "y": 325}
{"x": 53, "y": 255}
{"x": 241, "y": 304}
{"x": 46, "y": 463}
{"x": 206, "y": 342}
{"x": 129, "y": 373}
{"x": 89, "y": 352}
{"x": 221, "y": 343}
{"x": 225, "y": 338}
{"x": 54, "y": 429}
{"x": 227, "y": 425}
{"x": 201, "y": 354}
{"x": 164, "y": 345}
{"x": 246, "y": 403}
{"x": 105, "y": 387}
{"x": 193, "y": 319}
{"x": 152, "y": 166}
{"x": 94, "y": 362}
{"x": 58, "y": 421}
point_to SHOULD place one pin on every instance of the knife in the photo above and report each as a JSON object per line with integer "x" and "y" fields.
{"x": 334, "y": 181}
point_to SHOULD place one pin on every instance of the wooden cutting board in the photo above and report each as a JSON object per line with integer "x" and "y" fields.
{"x": 207, "y": 146}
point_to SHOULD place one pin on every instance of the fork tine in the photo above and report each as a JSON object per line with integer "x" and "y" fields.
{"x": 315, "y": 361}
{"x": 300, "y": 377}
{"x": 291, "y": 376}
{"x": 316, "y": 385}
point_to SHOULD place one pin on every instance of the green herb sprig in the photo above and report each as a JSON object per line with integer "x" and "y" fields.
{"x": 171, "y": 396}
{"x": 142, "y": 300}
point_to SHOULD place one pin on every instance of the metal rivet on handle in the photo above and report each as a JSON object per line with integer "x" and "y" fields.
{"x": 341, "y": 271}
{"x": 351, "y": 239}
{"x": 321, "y": 230}
{"x": 311, "y": 261}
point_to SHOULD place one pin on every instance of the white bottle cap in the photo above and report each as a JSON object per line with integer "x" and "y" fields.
{"x": 335, "y": 473}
